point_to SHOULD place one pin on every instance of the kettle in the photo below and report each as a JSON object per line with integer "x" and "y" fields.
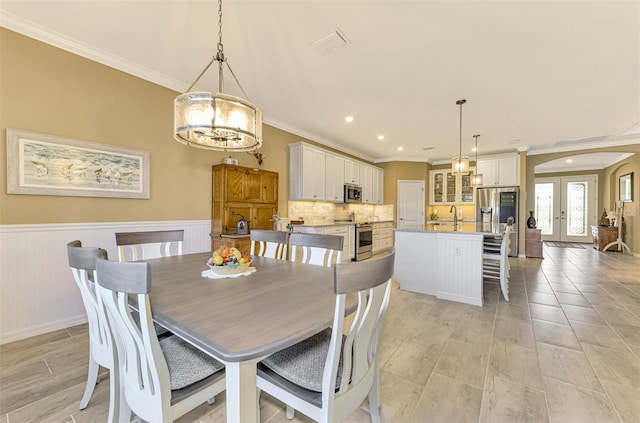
{"x": 242, "y": 225}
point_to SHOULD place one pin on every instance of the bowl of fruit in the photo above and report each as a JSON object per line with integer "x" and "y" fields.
{"x": 229, "y": 261}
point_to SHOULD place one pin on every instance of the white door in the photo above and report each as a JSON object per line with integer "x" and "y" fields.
{"x": 565, "y": 208}
{"x": 410, "y": 204}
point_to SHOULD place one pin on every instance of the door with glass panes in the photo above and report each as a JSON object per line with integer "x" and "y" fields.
{"x": 565, "y": 208}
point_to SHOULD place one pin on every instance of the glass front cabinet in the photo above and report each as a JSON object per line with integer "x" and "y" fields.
{"x": 447, "y": 188}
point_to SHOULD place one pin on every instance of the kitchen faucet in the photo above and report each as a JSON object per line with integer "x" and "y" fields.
{"x": 454, "y": 209}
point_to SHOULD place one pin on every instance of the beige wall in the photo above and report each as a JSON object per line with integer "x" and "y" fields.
{"x": 607, "y": 185}
{"x": 393, "y": 171}
{"x": 51, "y": 91}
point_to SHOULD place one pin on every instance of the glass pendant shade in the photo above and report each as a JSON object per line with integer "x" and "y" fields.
{"x": 221, "y": 122}
{"x": 460, "y": 165}
{"x": 477, "y": 178}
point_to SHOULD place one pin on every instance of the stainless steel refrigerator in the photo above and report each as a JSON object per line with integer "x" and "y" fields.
{"x": 494, "y": 207}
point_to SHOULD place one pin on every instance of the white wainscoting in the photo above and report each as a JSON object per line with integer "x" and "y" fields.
{"x": 37, "y": 291}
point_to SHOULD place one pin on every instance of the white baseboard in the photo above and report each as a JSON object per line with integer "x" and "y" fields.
{"x": 28, "y": 332}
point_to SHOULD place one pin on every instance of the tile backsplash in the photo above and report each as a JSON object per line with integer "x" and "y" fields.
{"x": 318, "y": 212}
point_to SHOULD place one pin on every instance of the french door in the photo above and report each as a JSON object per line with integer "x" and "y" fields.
{"x": 565, "y": 208}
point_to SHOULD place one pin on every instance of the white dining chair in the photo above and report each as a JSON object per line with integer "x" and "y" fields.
{"x": 133, "y": 246}
{"x": 162, "y": 379}
{"x": 328, "y": 376}
{"x": 495, "y": 261}
{"x": 102, "y": 344}
{"x": 272, "y": 244}
{"x": 316, "y": 249}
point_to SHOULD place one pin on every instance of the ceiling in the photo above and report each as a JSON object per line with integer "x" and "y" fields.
{"x": 537, "y": 76}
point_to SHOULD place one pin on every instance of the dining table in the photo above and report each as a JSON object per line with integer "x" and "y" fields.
{"x": 240, "y": 321}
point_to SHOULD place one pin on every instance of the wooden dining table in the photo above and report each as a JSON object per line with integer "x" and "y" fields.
{"x": 240, "y": 321}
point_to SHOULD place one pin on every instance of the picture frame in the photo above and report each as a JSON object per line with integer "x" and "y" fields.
{"x": 626, "y": 187}
{"x": 40, "y": 164}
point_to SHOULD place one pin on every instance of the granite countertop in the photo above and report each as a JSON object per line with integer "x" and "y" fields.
{"x": 466, "y": 227}
{"x": 316, "y": 224}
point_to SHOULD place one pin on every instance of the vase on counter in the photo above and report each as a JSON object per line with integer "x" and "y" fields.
{"x": 531, "y": 221}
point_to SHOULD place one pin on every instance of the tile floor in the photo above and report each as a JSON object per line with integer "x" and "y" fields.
{"x": 566, "y": 348}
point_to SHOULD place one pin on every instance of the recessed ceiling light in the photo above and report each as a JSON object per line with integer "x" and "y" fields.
{"x": 568, "y": 161}
{"x": 474, "y": 149}
{"x": 348, "y": 119}
{"x": 400, "y": 148}
{"x": 514, "y": 141}
{"x": 380, "y": 137}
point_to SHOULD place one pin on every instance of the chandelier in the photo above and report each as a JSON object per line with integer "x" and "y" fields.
{"x": 460, "y": 164}
{"x": 477, "y": 178}
{"x": 218, "y": 122}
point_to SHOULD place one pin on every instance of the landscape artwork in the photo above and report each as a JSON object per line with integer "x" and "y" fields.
{"x": 41, "y": 164}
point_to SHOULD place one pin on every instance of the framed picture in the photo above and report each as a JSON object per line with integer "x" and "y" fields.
{"x": 39, "y": 164}
{"x": 626, "y": 187}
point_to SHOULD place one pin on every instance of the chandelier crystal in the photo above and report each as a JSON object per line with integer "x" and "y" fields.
{"x": 218, "y": 122}
{"x": 460, "y": 164}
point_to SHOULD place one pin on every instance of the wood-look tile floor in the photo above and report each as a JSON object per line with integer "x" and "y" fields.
{"x": 565, "y": 348}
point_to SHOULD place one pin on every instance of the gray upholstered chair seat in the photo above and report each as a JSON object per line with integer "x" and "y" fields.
{"x": 303, "y": 363}
{"x": 187, "y": 364}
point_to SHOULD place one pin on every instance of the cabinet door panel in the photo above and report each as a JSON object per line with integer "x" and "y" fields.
{"x": 236, "y": 184}
{"x": 507, "y": 171}
{"x": 334, "y": 183}
{"x": 263, "y": 217}
{"x": 254, "y": 186}
{"x": 270, "y": 188}
{"x": 487, "y": 169}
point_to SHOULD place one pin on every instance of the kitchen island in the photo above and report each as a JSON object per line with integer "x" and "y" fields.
{"x": 442, "y": 262}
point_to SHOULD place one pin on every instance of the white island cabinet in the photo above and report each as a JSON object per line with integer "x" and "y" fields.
{"x": 447, "y": 265}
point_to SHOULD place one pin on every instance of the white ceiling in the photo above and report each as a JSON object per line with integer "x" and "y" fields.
{"x": 588, "y": 161}
{"x": 544, "y": 76}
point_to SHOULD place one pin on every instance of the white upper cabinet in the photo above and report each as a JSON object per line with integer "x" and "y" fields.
{"x": 504, "y": 171}
{"x": 366, "y": 182}
{"x": 351, "y": 172}
{"x": 319, "y": 175}
{"x": 447, "y": 188}
{"x": 306, "y": 172}
{"x": 378, "y": 185}
{"x": 334, "y": 174}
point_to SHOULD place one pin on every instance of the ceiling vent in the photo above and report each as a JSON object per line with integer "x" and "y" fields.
{"x": 427, "y": 148}
{"x": 331, "y": 42}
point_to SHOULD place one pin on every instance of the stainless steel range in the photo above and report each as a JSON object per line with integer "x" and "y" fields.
{"x": 364, "y": 241}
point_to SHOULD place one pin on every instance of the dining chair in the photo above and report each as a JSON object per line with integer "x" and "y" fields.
{"x": 102, "y": 344}
{"x": 495, "y": 261}
{"x": 328, "y": 376}
{"x": 317, "y": 249}
{"x": 272, "y": 244}
{"x": 133, "y": 246}
{"x": 162, "y": 379}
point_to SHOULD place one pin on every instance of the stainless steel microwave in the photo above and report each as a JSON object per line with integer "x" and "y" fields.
{"x": 352, "y": 193}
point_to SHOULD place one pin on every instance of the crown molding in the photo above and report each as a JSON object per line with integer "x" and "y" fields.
{"x": 37, "y": 32}
{"x": 631, "y": 140}
{"x": 313, "y": 137}
{"x": 403, "y": 159}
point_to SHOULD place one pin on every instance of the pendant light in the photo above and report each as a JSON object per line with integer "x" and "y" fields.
{"x": 460, "y": 164}
{"x": 218, "y": 122}
{"x": 477, "y": 178}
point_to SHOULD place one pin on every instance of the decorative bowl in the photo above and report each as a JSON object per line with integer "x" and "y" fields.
{"x": 229, "y": 268}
